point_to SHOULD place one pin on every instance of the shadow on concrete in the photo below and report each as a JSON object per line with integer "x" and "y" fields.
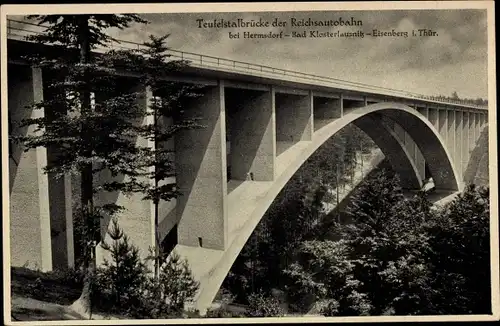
{"x": 283, "y": 146}
{"x": 427, "y": 139}
{"x": 17, "y": 100}
{"x": 195, "y": 148}
{"x": 233, "y": 185}
{"x": 394, "y": 150}
{"x": 476, "y": 156}
{"x": 246, "y": 139}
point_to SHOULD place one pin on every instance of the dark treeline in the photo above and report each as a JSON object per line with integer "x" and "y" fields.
{"x": 395, "y": 256}
{"x": 454, "y": 97}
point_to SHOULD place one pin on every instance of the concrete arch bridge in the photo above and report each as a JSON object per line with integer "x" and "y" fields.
{"x": 261, "y": 124}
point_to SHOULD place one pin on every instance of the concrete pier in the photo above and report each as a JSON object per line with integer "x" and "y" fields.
{"x": 201, "y": 174}
{"x": 252, "y": 117}
{"x": 459, "y": 141}
{"x": 30, "y": 228}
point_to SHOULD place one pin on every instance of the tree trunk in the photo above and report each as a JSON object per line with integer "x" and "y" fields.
{"x": 83, "y": 305}
{"x": 157, "y": 199}
{"x": 337, "y": 194}
{"x": 157, "y": 243}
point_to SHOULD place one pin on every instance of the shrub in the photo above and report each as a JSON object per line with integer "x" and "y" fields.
{"x": 263, "y": 306}
{"x": 165, "y": 297}
{"x": 125, "y": 285}
{"x": 118, "y": 283}
{"x": 223, "y": 312}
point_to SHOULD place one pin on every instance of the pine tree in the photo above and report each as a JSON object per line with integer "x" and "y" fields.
{"x": 460, "y": 254}
{"x": 120, "y": 279}
{"x": 166, "y": 118}
{"x": 89, "y": 137}
{"x": 324, "y": 272}
{"x": 372, "y": 210}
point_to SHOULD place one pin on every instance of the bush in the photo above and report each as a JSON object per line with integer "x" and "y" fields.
{"x": 165, "y": 297}
{"x": 125, "y": 285}
{"x": 263, "y": 306}
{"x": 223, "y": 312}
{"x": 118, "y": 284}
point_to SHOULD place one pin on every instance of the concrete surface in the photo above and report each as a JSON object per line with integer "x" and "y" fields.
{"x": 201, "y": 175}
{"x": 30, "y": 229}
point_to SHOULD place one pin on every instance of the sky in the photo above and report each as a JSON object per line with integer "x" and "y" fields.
{"x": 455, "y": 60}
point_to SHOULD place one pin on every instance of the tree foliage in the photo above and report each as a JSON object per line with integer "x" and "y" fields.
{"x": 166, "y": 117}
{"x": 400, "y": 257}
{"x": 66, "y": 30}
{"x": 295, "y": 216}
{"x": 93, "y": 120}
{"x": 392, "y": 255}
{"x": 460, "y": 253}
{"x": 120, "y": 279}
{"x": 124, "y": 284}
{"x": 88, "y": 132}
{"x": 261, "y": 305}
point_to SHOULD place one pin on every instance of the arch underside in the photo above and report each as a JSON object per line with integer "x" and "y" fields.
{"x": 394, "y": 150}
{"x": 211, "y": 266}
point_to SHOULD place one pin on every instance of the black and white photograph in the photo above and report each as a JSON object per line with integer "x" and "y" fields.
{"x": 249, "y": 162}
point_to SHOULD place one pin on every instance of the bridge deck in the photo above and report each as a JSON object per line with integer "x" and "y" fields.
{"x": 207, "y": 65}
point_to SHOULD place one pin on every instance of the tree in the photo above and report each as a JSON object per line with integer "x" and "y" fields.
{"x": 165, "y": 296}
{"x": 460, "y": 254}
{"x": 297, "y": 214}
{"x": 379, "y": 264}
{"x": 166, "y": 118}
{"x": 386, "y": 231}
{"x": 324, "y": 273}
{"x": 124, "y": 284}
{"x": 89, "y": 137}
{"x": 120, "y": 280}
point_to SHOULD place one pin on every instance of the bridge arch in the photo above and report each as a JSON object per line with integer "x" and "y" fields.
{"x": 393, "y": 149}
{"x": 415, "y": 124}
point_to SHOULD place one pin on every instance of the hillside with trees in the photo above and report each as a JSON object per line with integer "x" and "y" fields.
{"x": 388, "y": 254}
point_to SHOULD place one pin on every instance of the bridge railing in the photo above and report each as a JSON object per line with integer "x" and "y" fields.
{"x": 17, "y": 29}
